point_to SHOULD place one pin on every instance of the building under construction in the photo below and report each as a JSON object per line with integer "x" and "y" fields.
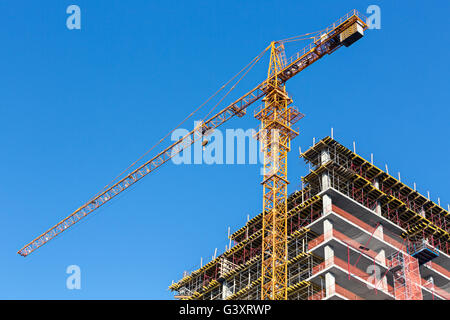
{"x": 354, "y": 233}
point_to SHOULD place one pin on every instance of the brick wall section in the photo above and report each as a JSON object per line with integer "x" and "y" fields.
{"x": 352, "y": 270}
{"x": 367, "y": 227}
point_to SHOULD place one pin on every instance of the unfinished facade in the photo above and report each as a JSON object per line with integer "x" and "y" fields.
{"x": 354, "y": 233}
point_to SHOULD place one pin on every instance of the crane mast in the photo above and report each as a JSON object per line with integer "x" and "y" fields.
{"x": 275, "y": 136}
{"x": 275, "y": 133}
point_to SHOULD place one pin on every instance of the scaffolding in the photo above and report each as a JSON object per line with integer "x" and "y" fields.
{"x": 362, "y": 181}
{"x": 239, "y": 269}
{"x": 424, "y": 225}
{"x": 407, "y": 280}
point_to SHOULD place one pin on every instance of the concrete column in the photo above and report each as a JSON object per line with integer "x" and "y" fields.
{"x": 327, "y": 229}
{"x": 376, "y": 184}
{"x": 378, "y": 233}
{"x": 326, "y": 204}
{"x": 328, "y": 253}
{"x": 381, "y": 257}
{"x": 329, "y": 278}
{"x": 431, "y": 281}
{"x": 378, "y": 208}
{"x": 422, "y": 212}
{"x": 325, "y": 179}
{"x": 330, "y": 284}
{"x": 382, "y": 283}
{"x": 324, "y": 156}
{"x": 226, "y": 290}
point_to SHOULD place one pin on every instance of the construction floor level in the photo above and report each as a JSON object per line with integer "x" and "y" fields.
{"x": 354, "y": 233}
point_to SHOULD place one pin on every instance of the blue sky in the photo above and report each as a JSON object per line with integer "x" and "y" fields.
{"x": 79, "y": 106}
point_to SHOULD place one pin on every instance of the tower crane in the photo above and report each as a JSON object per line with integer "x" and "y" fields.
{"x": 277, "y": 117}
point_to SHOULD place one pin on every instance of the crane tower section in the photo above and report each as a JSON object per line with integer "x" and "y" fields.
{"x": 275, "y": 134}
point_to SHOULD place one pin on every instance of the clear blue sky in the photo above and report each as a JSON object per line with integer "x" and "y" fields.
{"x": 78, "y": 106}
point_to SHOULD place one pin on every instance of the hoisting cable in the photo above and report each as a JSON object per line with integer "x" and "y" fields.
{"x": 249, "y": 65}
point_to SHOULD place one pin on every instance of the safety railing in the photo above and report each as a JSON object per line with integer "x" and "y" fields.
{"x": 414, "y": 247}
{"x": 330, "y": 28}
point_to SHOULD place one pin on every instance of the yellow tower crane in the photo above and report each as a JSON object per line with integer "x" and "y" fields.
{"x": 276, "y": 118}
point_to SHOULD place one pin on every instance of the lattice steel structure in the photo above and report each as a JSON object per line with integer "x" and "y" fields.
{"x": 275, "y": 136}
{"x": 276, "y": 120}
